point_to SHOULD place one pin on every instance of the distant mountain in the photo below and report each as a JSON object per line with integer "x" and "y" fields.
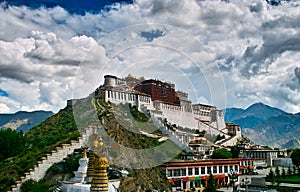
{"x": 293, "y": 143}
{"x": 252, "y": 116}
{"x": 23, "y": 120}
{"x": 232, "y": 113}
{"x": 266, "y": 125}
{"x": 279, "y": 131}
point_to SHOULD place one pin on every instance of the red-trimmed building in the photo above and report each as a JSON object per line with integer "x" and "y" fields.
{"x": 187, "y": 174}
{"x": 159, "y": 91}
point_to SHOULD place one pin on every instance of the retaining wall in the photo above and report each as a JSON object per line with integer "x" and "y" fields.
{"x": 39, "y": 171}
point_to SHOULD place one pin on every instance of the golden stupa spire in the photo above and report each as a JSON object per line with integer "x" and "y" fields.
{"x": 94, "y": 144}
{"x": 99, "y": 167}
{"x": 90, "y": 169}
{"x": 100, "y": 179}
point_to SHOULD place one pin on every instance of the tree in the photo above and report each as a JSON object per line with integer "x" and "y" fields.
{"x": 11, "y": 142}
{"x": 71, "y": 163}
{"x": 289, "y": 172}
{"x": 211, "y": 184}
{"x": 294, "y": 170}
{"x": 222, "y": 153}
{"x": 235, "y": 151}
{"x": 277, "y": 172}
{"x": 283, "y": 173}
{"x": 271, "y": 176}
{"x": 34, "y": 186}
{"x": 295, "y": 156}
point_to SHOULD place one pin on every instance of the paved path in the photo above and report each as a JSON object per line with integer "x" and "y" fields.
{"x": 261, "y": 173}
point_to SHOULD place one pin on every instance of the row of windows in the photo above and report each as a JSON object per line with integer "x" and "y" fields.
{"x": 127, "y": 96}
{"x": 170, "y": 107}
{"x": 204, "y": 108}
{"x": 196, "y": 171}
{"x": 145, "y": 99}
{"x": 202, "y": 113}
{"x": 246, "y": 163}
{"x": 119, "y": 95}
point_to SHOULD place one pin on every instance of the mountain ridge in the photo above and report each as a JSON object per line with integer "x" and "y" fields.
{"x": 252, "y": 115}
{"x": 23, "y": 120}
{"x": 267, "y": 125}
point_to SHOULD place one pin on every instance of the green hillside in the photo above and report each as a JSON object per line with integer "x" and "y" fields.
{"x": 122, "y": 124}
{"x": 40, "y": 140}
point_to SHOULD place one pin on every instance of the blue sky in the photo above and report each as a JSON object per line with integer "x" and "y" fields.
{"x": 74, "y": 6}
{"x": 3, "y": 93}
{"x": 224, "y": 53}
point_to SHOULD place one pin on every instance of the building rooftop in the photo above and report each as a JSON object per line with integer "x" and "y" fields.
{"x": 178, "y": 162}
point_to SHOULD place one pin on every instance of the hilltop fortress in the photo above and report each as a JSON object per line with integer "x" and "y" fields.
{"x": 161, "y": 100}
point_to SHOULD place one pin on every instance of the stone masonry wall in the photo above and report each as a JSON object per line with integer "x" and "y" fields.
{"x": 39, "y": 170}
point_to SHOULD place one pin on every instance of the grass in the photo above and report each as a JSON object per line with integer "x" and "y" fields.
{"x": 291, "y": 179}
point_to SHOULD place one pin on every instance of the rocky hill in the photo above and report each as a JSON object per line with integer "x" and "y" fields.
{"x": 23, "y": 120}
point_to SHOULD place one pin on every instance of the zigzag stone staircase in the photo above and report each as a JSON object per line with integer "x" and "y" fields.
{"x": 213, "y": 129}
{"x": 39, "y": 170}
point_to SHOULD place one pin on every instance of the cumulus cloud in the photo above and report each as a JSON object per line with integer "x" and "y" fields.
{"x": 4, "y": 108}
{"x": 297, "y": 74}
{"x": 229, "y": 53}
{"x": 39, "y": 72}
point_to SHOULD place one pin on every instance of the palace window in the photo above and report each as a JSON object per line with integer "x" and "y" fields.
{"x": 236, "y": 168}
{"x": 190, "y": 171}
{"x": 220, "y": 169}
{"x": 183, "y": 172}
{"x": 202, "y": 170}
{"x": 196, "y": 170}
{"x": 215, "y": 169}
{"x": 176, "y": 172}
{"x": 226, "y": 169}
{"x": 208, "y": 170}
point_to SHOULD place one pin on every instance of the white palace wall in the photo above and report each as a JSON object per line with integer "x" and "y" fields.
{"x": 173, "y": 113}
{"x": 177, "y": 115}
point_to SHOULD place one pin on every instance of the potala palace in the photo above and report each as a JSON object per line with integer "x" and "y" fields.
{"x": 161, "y": 100}
{"x": 179, "y": 120}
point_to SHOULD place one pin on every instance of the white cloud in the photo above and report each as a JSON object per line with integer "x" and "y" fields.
{"x": 4, "y": 108}
{"x": 39, "y": 72}
{"x": 250, "y": 46}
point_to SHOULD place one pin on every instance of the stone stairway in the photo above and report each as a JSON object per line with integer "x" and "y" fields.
{"x": 216, "y": 130}
{"x": 57, "y": 155}
{"x": 228, "y": 141}
{"x": 165, "y": 131}
{"x": 58, "y": 188}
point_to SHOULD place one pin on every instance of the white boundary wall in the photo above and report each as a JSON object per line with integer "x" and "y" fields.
{"x": 39, "y": 170}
